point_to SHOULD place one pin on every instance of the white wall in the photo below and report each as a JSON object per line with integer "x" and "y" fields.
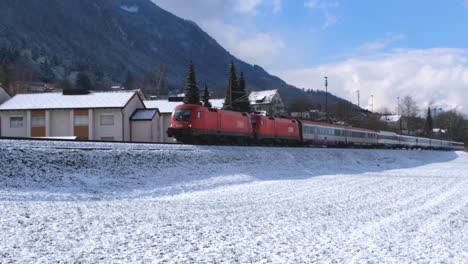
{"x": 101, "y": 131}
{"x": 142, "y": 131}
{"x": 147, "y": 131}
{"x": 128, "y": 111}
{"x": 60, "y": 123}
{"x": 165, "y": 122}
{"x": 7, "y": 131}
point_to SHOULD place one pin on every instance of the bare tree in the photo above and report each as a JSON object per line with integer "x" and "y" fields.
{"x": 409, "y": 111}
{"x": 155, "y": 81}
{"x": 408, "y": 107}
{"x": 454, "y": 123}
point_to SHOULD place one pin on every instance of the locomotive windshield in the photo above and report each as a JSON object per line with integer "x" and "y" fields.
{"x": 182, "y": 114}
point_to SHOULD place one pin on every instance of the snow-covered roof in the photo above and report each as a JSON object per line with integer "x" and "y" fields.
{"x": 439, "y": 130}
{"x": 165, "y": 106}
{"x": 390, "y": 118}
{"x": 60, "y": 101}
{"x": 144, "y": 114}
{"x": 262, "y": 97}
{"x": 4, "y": 96}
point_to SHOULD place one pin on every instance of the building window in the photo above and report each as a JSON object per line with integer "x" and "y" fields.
{"x": 38, "y": 121}
{"x": 107, "y": 120}
{"x": 16, "y": 121}
{"x": 81, "y": 120}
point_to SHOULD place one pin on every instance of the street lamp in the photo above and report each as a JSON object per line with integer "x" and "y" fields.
{"x": 358, "y": 92}
{"x": 326, "y": 97}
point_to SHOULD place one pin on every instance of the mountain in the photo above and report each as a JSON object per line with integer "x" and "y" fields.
{"x": 107, "y": 39}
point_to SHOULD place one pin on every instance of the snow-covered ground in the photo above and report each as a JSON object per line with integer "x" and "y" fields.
{"x": 86, "y": 202}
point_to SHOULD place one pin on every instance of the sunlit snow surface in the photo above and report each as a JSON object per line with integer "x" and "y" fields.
{"x": 83, "y": 202}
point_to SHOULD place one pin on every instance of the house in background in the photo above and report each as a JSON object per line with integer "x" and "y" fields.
{"x": 269, "y": 101}
{"x": 4, "y": 96}
{"x": 108, "y": 116}
{"x": 166, "y": 107}
{"x": 396, "y": 122}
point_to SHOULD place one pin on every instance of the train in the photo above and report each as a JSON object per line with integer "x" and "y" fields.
{"x": 196, "y": 124}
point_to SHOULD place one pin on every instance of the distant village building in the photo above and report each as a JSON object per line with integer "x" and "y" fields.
{"x": 166, "y": 107}
{"x": 4, "y": 96}
{"x": 110, "y": 116}
{"x": 269, "y": 101}
{"x": 21, "y": 87}
{"x": 395, "y": 121}
{"x": 314, "y": 115}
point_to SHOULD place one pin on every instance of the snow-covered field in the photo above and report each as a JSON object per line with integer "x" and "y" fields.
{"x": 85, "y": 202}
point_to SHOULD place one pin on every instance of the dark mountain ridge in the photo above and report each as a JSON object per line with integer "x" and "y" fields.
{"x": 109, "y": 38}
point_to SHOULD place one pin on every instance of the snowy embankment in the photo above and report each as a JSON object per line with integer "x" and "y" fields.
{"x": 110, "y": 202}
{"x": 69, "y": 170}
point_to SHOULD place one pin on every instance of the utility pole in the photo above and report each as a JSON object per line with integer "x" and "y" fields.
{"x": 358, "y": 98}
{"x": 399, "y": 113}
{"x": 326, "y": 97}
{"x": 372, "y": 103}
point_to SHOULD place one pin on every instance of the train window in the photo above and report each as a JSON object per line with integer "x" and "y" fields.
{"x": 182, "y": 114}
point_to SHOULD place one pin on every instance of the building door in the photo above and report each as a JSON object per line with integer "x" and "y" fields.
{"x": 38, "y": 128}
{"x": 81, "y": 124}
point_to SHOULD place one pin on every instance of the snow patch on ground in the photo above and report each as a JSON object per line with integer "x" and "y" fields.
{"x": 88, "y": 202}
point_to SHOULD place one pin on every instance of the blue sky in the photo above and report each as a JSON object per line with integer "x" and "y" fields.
{"x": 387, "y": 49}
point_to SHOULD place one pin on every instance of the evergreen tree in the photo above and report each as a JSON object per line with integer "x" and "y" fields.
{"x": 191, "y": 90}
{"x": 47, "y": 75}
{"x": 244, "y": 103}
{"x": 4, "y": 76}
{"x": 129, "y": 81}
{"x": 231, "y": 95}
{"x": 83, "y": 82}
{"x": 206, "y": 97}
{"x": 428, "y": 125}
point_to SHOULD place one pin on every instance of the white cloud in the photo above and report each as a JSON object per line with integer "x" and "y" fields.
{"x": 438, "y": 76}
{"x": 321, "y": 4}
{"x": 325, "y": 7}
{"x": 383, "y": 42}
{"x": 248, "y": 6}
{"x": 241, "y": 39}
{"x": 277, "y": 6}
{"x": 330, "y": 20}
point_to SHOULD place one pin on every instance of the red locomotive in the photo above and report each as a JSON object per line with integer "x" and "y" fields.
{"x": 198, "y": 124}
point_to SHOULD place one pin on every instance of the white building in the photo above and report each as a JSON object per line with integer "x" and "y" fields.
{"x": 166, "y": 108}
{"x": 269, "y": 101}
{"x": 146, "y": 126}
{"x": 94, "y": 116}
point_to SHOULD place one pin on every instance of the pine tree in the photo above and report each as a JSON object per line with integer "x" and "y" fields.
{"x": 231, "y": 95}
{"x": 129, "y": 81}
{"x": 83, "y": 82}
{"x": 191, "y": 90}
{"x": 206, "y": 97}
{"x": 244, "y": 103}
{"x": 428, "y": 125}
{"x": 47, "y": 75}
